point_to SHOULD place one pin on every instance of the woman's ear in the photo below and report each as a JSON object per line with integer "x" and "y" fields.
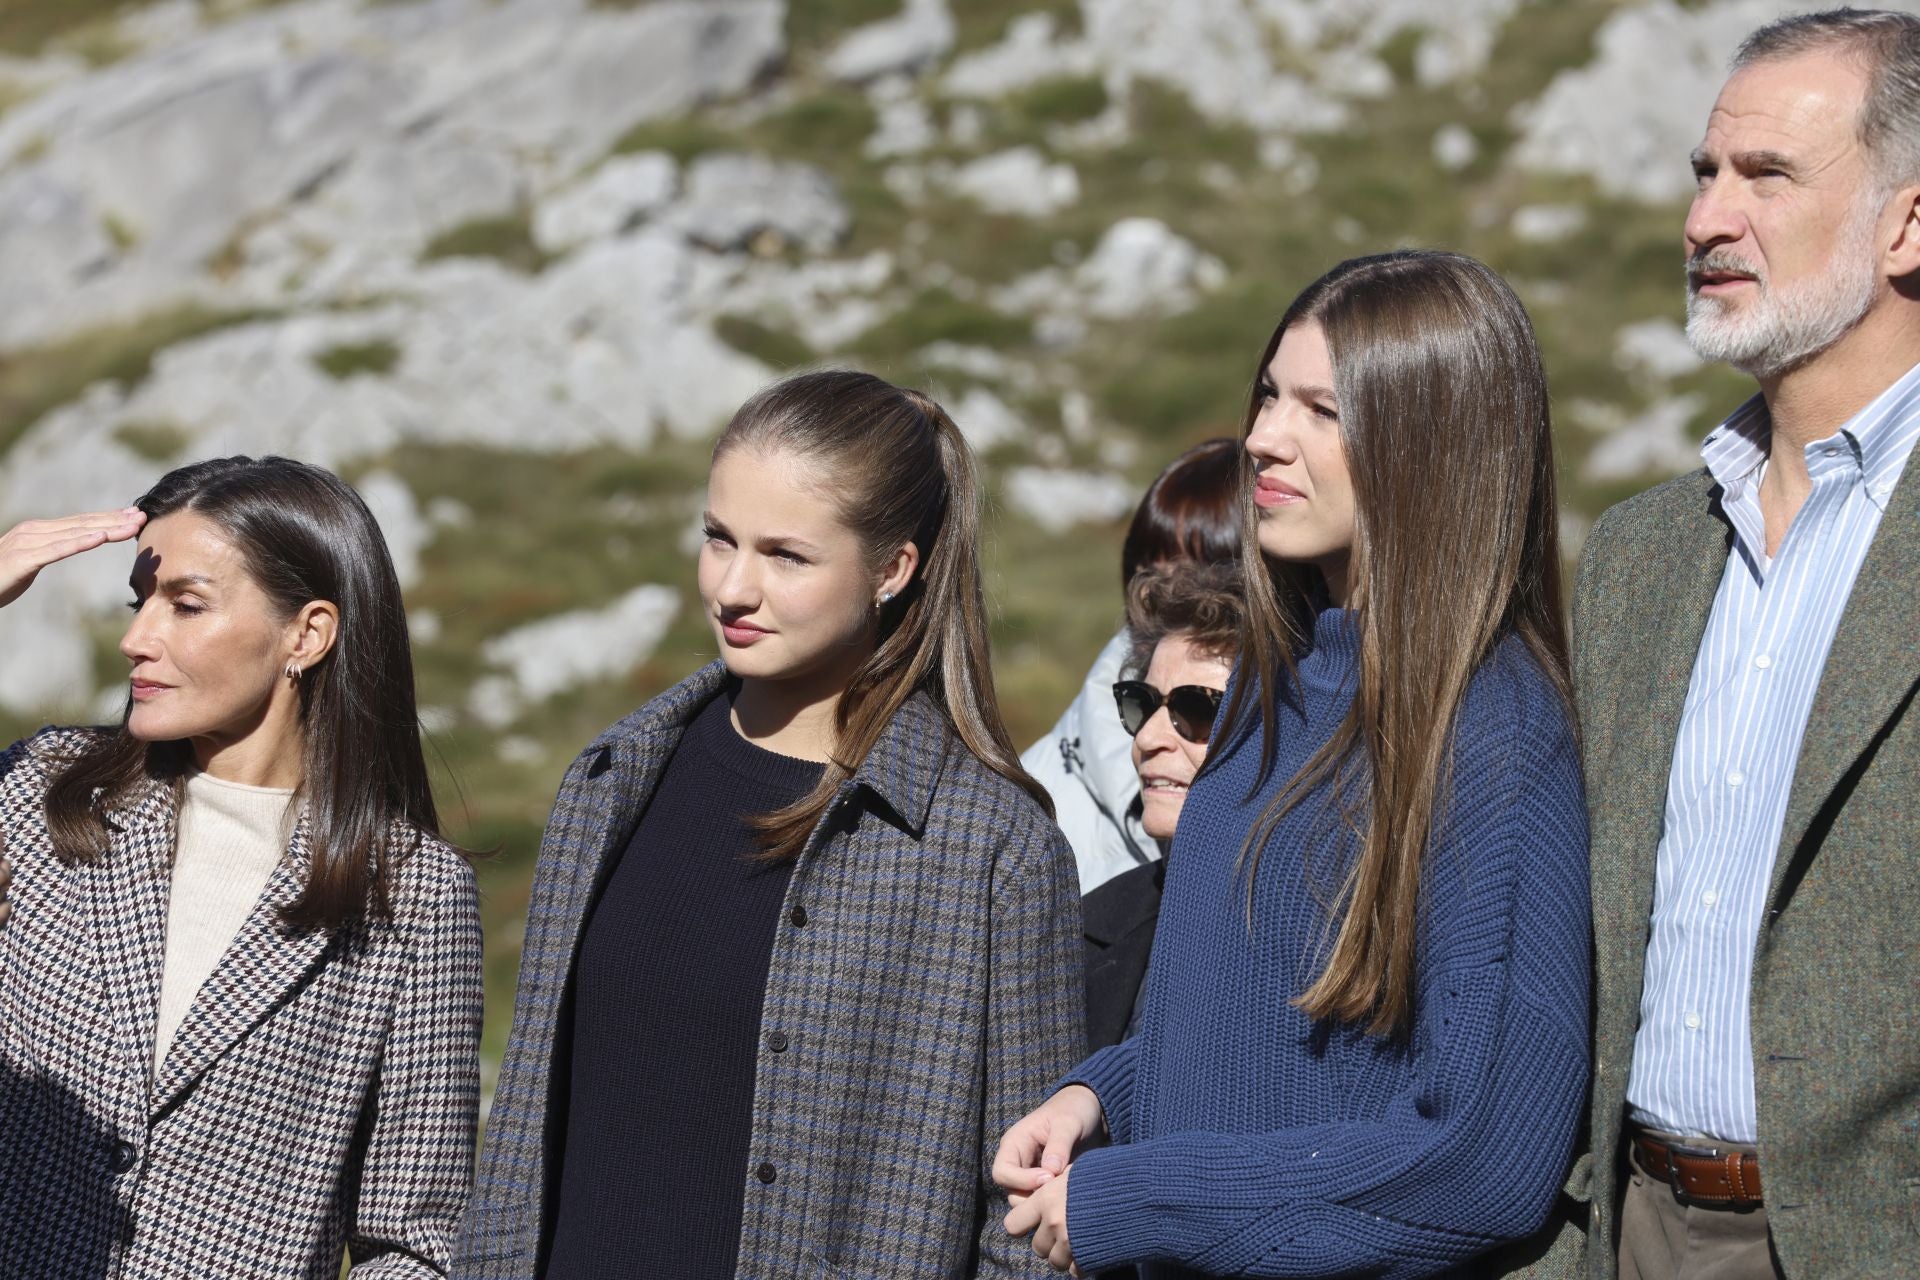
{"x": 898, "y": 572}
{"x": 312, "y": 632}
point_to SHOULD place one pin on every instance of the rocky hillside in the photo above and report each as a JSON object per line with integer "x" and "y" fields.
{"x": 508, "y": 264}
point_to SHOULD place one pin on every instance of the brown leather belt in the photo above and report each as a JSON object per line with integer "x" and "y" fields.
{"x": 1701, "y": 1173}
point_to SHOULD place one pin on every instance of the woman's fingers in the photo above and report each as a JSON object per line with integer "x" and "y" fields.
{"x": 1063, "y": 1135}
{"x": 32, "y": 545}
{"x": 1023, "y": 1217}
{"x": 1017, "y": 1163}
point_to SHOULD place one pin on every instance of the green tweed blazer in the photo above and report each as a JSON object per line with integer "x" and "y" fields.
{"x": 1836, "y": 978}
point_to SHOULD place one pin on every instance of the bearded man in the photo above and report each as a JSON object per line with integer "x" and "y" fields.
{"x": 1747, "y": 654}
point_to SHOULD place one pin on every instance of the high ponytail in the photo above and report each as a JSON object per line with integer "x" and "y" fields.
{"x": 902, "y": 473}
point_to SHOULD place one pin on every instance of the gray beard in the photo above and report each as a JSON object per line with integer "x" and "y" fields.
{"x": 1780, "y": 330}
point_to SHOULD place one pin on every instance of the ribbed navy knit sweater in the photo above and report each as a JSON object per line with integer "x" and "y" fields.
{"x": 1247, "y": 1140}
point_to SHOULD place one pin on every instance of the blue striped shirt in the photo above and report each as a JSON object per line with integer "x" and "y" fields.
{"x": 1752, "y": 687}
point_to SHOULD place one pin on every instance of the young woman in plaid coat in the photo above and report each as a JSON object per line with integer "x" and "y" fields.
{"x": 240, "y": 984}
{"x": 803, "y": 938}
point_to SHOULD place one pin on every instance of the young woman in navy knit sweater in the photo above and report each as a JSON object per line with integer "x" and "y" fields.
{"x": 1364, "y": 1043}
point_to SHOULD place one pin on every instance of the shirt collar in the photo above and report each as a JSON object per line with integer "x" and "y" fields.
{"x": 1880, "y": 438}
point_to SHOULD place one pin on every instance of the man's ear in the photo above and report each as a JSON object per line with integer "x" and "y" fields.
{"x": 1903, "y": 250}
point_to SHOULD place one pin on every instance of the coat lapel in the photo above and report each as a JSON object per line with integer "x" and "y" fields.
{"x": 1654, "y": 674}
{"x": 128, "y": 900}
{"x": 1872, "y": 667}
{"x": 264, "y": 965}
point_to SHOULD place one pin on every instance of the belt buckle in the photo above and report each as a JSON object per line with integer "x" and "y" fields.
{"x": 1681, "y": 1194}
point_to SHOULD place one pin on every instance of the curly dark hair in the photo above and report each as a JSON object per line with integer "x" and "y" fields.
{"x": 1203, "y": 602}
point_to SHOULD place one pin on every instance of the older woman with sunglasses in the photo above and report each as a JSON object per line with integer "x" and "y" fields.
{"x": 1184, "y": 622}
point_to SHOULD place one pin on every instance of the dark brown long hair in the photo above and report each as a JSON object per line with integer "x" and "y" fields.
{"x": 902, "y": 473}
{"x": 304, "y": 535}
{"x": 1444, "y": 421}
{"x": 1191, "y": 511}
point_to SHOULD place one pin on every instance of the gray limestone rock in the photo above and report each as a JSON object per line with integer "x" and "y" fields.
{"x": 731, "y": 198}
{"x": 608, "y": 201}
{"x": 1630, "y": 116}
{"x": 919, "y": 35}
{"x": 1018, "y": 181}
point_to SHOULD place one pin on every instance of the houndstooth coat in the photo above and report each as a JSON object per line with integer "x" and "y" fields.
{"x": 925, "y": 980}
{"x": 322, "y": 1090}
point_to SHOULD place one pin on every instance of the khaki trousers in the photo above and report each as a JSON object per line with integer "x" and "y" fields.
{"x": 1662, "y": 1239}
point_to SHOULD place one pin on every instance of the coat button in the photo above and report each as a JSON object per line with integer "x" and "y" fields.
{"x": 777, "y": 1041}
{"x": 122, "y": 1156}
{"x": 798, "y": 916}
{"x": 766, "y": 1171}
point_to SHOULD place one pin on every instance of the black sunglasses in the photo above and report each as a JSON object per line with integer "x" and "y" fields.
{"x": 1191, "y": 707}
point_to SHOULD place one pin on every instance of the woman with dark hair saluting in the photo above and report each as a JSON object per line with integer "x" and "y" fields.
{"x": 803, "y": 939}
{"x": 1364, "y": 1045}
{"x": 240, "y": 986}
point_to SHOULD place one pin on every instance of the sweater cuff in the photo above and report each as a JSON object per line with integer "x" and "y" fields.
{"x": 1109, "y": 1073}
{"x": 1109, "y": 1218}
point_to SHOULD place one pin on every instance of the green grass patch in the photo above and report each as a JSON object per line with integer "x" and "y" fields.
{"x": 979, "y": 23}
{"x": 551, "y": 533}
{"x": 507, "y": 239}
{"x": 29, "y": 27}
{"x": 682, "y": 137}
{"x": 936, "y": 315}
{"x": 154, "y": 441}
{"x": 34, "y": 382}
{"x": 121, "y": 232}
{"x": 815, "y": 26}
{"x": 12, "y": 95}
{"x": 350, "y": 358}
{"x": 820, "y": 128}
{"x": 1400, "y": 52}
{"x": 770, "y": 346}
{"x": 1060, "y": 101}
{"x": 1054, "y": 601}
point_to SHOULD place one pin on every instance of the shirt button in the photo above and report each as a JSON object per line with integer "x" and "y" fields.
{"x": 766, "y": 1172}
{"x": 1763, "y": 661}
{"x": 1693, "y": 1022}
{"x": 1735, "y": 778}
{"x": 798, "y": 916}
{"x": 1831, "y": 451}
{"x": 777, "y": 1041}
{"x": 1710, "y": 897}
{"x": 122, "y": 1156}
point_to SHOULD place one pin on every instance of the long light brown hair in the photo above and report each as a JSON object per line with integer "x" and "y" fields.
{"x": 1445, "y": 427}
{"x": 902, "y": 473}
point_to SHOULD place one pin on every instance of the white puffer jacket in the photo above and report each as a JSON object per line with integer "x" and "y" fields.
{"x": 1086, "y": 765}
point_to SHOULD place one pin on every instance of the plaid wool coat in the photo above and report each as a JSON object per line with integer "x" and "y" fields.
{"x": 926, "y": 975}
{"x": 322, "y": 1090}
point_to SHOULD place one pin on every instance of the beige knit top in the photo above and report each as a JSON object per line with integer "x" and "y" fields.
{"x": 230, "y": 839}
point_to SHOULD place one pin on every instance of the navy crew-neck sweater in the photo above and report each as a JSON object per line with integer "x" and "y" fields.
{"x": 667, "y": 990}
{"x": 1249, "y": 1140}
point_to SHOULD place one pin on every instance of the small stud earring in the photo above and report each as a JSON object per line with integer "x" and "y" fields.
{"x": 886, "y": 598}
